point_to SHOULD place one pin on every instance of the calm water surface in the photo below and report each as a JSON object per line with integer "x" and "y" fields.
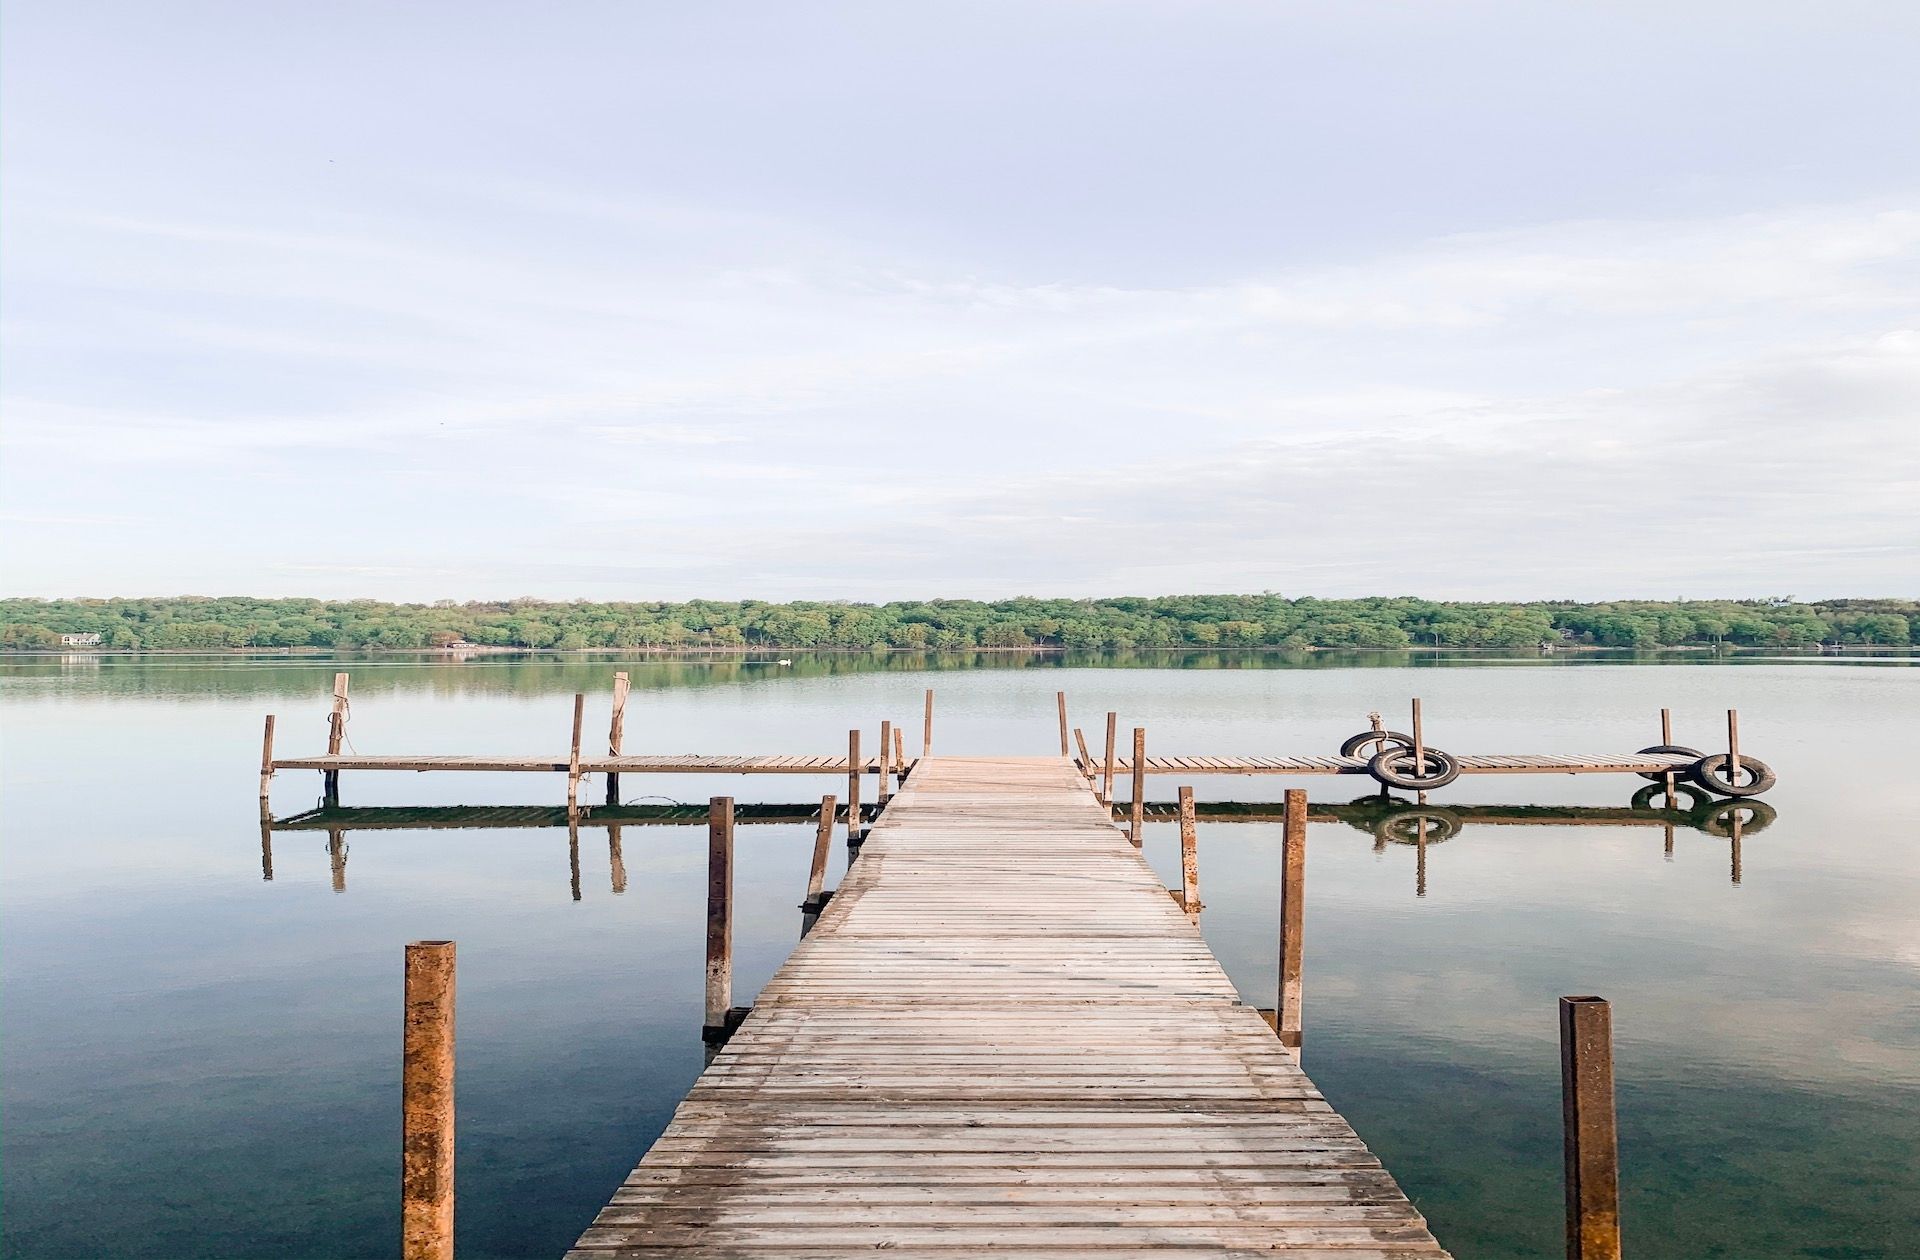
{"x": 198, "y": 1061}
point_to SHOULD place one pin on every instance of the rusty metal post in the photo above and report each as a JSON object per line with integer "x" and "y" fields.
{"x": 1060, "y": 701}
{"x": 426, "y": 1104}
{"x": 822, "y": 842}
{"x": 853, "y": 787}
{"x": 885, "y": 764}
{"x": 1106, "y": 782}
{"x": 336, "y": 735}
{"x": 266, "y": 760}
{"x": 573, "y": 754}
{"x": 1592, "y": 1144}
{"x": 1189, "y": 855}
{"x": 719, "y": 915}
{"x": 617, "y": 732}
{"x": 1139, "y": 785}
{"x": 1293, "y": 909}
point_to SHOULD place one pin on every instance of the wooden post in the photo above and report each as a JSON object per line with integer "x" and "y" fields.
{"x": 1666, "y": 737}
{"x": 926, "y": 730}
{"x": 573, "y": 754}
{"x": 266, "y": 844}
{"x": 853, "y": 787}
{"x": 1293, "y": 908}
{"x": 336, "y": 735}
{"x": 617, "y": 732}
{"x": 266, "y": 760}
{"x": 426, "y": 1104}
{"x": 822, "y": 841}
{"x": 1419, "y": 742}
{"x": 1106, "y": 781}
{"x": 616, "y": 860}
{"x": 1733, "y": 747}
{"x": 1189, "y": 855}
{"x": 900, "y": 754}
{"x": 1139, "y": 784}
{"x": 1592, "y": 1145}
{"x": 1086, "y": 758}
{"x": 1060, "y": 700}
{"x": 719, "y": 915}
{"x": 884, "y": 763}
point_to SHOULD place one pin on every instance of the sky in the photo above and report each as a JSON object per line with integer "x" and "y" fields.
{"x": 867, "y": 301}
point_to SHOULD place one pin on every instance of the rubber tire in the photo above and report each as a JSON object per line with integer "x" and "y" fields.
{"x": 1354, "y": 743}
{"x": 1693, "y": 799}
{"x": 1717, "y": 819}
{"x": 1678, "y": 750}
{"x": 1708, "y": 772}
{"x": 1381, "y": 768}
{"x": 1403, "y": 826}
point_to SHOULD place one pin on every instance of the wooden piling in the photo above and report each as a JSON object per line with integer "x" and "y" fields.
{"x": 1591, "y": 1142}
{"x": 573, "y": 854}
{"x": 822, "y": 842}
{"x": 1139, "y": 785}
{"x": 426, "y": 1104}
{"x": 337, "y": 857}
{"x": 1419, "y": 742}
{"x": 266, "y": 760}
{"x": 266, "y": 843}
{"x": 853, "y": 787}
{"x": 1189, "y": 855}
{"x": 573, "y": 753}
{"x": 1733, "y": 747}
{"x": 900, "y": 754}
{"x": 884, "y": 763}
{"x": 1086, "y": 758}
{"x": 1666, "y": 740}
{"x": 926, "y": 729}
{"x": 1060, "y": 701}
{"x": 1106, "y": 780}
{"x": 616, "y": 732}
{"x": 1293, "y": 908}
{"x": 336, "y": 735}
{"x": 719, "y": 916}
{"x": 1666, "y": 726}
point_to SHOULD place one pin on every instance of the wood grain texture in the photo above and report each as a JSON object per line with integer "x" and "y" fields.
{"x": 1003, "y": 1036}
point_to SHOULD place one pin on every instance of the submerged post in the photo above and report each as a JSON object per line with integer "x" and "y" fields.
{"x": 1293, "y": 909}
{"x": 1106, "y": 781}
{"x": 573, "y": 753}
{"x": 266, "y": 760}
{"x": 1139, "y": 784}
{"x": 1060, "y": 700}
{"x": 426, "y": 1104}
{"x": 617, "y": 732}
{"x": 336, "y": 734}
{"x": 885, "y": 763}
{"x": 719, "y": 916}
{"x": 1189, "y": 855}
{"x": 853, "y": 787}
{"x": 822, "y": 842}
{"x": 1592, "y": 1144}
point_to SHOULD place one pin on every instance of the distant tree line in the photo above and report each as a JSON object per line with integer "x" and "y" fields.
{"x": 1188, "y": 621}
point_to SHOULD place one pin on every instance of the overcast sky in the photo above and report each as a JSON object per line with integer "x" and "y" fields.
{"x": 625, "y": 300}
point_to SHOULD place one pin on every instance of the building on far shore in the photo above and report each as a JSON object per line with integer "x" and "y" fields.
{"x": 79, "y": 640}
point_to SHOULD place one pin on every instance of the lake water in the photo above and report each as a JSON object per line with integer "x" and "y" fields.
{"x": 198, "y": 1061}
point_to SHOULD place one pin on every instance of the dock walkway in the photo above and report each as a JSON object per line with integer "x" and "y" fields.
{"x": 1003, "y": 1036}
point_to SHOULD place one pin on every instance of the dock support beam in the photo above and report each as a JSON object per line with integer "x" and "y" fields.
{"x": 853, "y": 788}
{"x": 900, "y": 756}
{"x": 426, "y": 1104}
{"x": 1086, "y": 758}
{"x": 1139, "y": 785}
{"x": 336, "y": 734}
{"x": 719, "y": 917}
{"x": 884, "y": 764}
{"x": 926, "y": 730}
{"x": 573, "y": 754}
{"x": 1592, "y": 1144}
{"x": 1189, "y": 856}
{"x": 1106, "y": 781}
{"x": 822, "y": 842}
{"x": 617, "y": 732}
{"x": 1293, "y": 909}
{"x": 266, "y": 761}
{"x": 1060, "y": 701}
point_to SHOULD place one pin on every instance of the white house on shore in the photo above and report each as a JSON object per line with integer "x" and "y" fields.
{"x": 79, "y": 640}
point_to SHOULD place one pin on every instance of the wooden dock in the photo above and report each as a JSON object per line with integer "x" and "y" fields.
{"x": 1002, "y": 1035}
{"x": 1470, "y": 763}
